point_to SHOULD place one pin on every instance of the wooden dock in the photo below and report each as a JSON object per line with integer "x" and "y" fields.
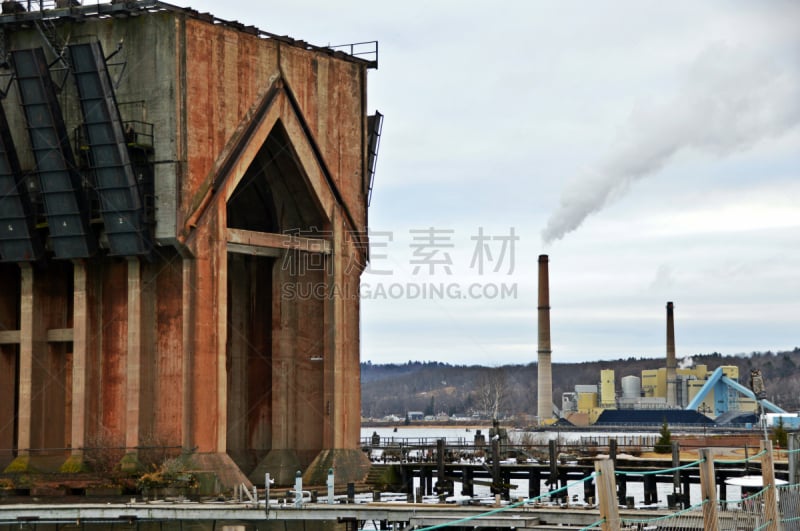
{"x": 250, "y": 516}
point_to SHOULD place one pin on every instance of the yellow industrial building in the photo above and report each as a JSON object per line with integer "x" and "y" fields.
{"x": 648, "y": 392}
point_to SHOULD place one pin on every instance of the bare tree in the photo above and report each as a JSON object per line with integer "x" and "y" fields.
{"x": 491, "y": 391}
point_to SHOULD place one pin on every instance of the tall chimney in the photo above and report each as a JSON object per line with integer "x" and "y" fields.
{"x": 544, "y": 399}
{"x": 672, "y": 398}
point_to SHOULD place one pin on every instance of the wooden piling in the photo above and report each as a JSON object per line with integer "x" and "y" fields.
{"x": 676, "y": 462}
{"x": 496, "y": 480}
{"x": 534, "y": 483}
{"x": 650, "y": 490}
{"x": 794, "y": 439}
{"x": 441, "y": 488}
{"x": 606, "y": 495}
{"x": 708, "y": 490}
{"x": 770, "y": 495}
{"x": 467, "y": 485}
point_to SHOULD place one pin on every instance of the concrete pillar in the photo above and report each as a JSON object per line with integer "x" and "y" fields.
{"x": 80, "y": 336}
{"x": 81, "y": 325}
{"x": 342, "y": 395}
{"x": 237, "y": 352}
{"x": 221, "y": 286}
{"x": 133, "y": 372}
{"x": 44, "y": 391}
{"x": 32, "y": 348}
{"x": 329, "y": 364}
{"x": 9, "y": 356}
{"x": 188, "y": 315}
{"x": 337, "y": 406}
{"x": 8, "y": 384}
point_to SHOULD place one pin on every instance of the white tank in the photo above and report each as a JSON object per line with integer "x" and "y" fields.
{"x": 631, "y": 387}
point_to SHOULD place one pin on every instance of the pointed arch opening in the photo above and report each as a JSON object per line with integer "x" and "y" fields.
{"x": 275, "y": 317}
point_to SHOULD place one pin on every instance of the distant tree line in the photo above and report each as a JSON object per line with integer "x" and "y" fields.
{"x": 436, "y": 387}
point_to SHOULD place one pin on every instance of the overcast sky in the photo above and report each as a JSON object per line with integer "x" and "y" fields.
{"x": 651, "y": 149}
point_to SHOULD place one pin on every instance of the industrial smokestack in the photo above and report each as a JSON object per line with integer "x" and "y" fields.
{"x": 545, "y": 376}
{"x": 672, "y": 399}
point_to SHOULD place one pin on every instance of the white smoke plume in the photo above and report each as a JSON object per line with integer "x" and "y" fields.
{"x": 730, "y": 100}
{"x": 686, "y": 363}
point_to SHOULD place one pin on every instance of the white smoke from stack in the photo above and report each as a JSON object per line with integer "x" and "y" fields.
{"x": 730, "y": 100}
{"x": 686, "y": 363}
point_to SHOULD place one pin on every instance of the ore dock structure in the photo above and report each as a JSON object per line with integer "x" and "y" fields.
{"x": 183, "y": 219}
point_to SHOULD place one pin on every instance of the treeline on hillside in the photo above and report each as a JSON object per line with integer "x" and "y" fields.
{"x": 435, "y": 387}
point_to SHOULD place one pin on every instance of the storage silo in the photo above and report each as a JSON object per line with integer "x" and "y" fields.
{"x": 631, "y": 387}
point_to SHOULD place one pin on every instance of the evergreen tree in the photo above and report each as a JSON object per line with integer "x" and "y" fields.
{"x": 430, "y": 409}
{"x": 664, "y": 443}
{"x": 780, "y": 437}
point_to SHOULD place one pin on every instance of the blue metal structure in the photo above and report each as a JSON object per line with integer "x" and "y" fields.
{"x": 121, "y": 199}
{"x": 65, "y": 204}
{"x": 721, "y": 384}
{"x": 19, "y": 241}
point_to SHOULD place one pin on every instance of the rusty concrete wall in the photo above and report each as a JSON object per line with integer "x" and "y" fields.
{"x": 348, "y": 382}
{"x": 331, "y": 94}
{"x": 94, "y": 432}
{"x": 208, "y": 408}
{"x": 225, "y": 71}
{"x": 43, "y": 307}
{"x": 308, "y": 413}
{"x": 166, "y": 278}
{"x": 110, "y": 333}
{"x": 191, "y": 347}
{"x": 9, "y": 359}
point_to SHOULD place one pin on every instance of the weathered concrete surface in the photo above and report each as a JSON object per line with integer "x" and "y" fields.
{"x": 348, "y": 464}
{"x": 9, "y": 358}
{"x": 201, "y": 347}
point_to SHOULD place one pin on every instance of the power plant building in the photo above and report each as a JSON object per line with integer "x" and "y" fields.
{"x": 183, "y": 220}
{"x": 652, "y": 395}
{"x": 667, "y": 389}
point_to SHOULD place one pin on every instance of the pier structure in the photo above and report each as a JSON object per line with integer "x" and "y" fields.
{"x": 183, "y": 221}
{"x": 772, "y": 507}
{"x": 436, "y": 466}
